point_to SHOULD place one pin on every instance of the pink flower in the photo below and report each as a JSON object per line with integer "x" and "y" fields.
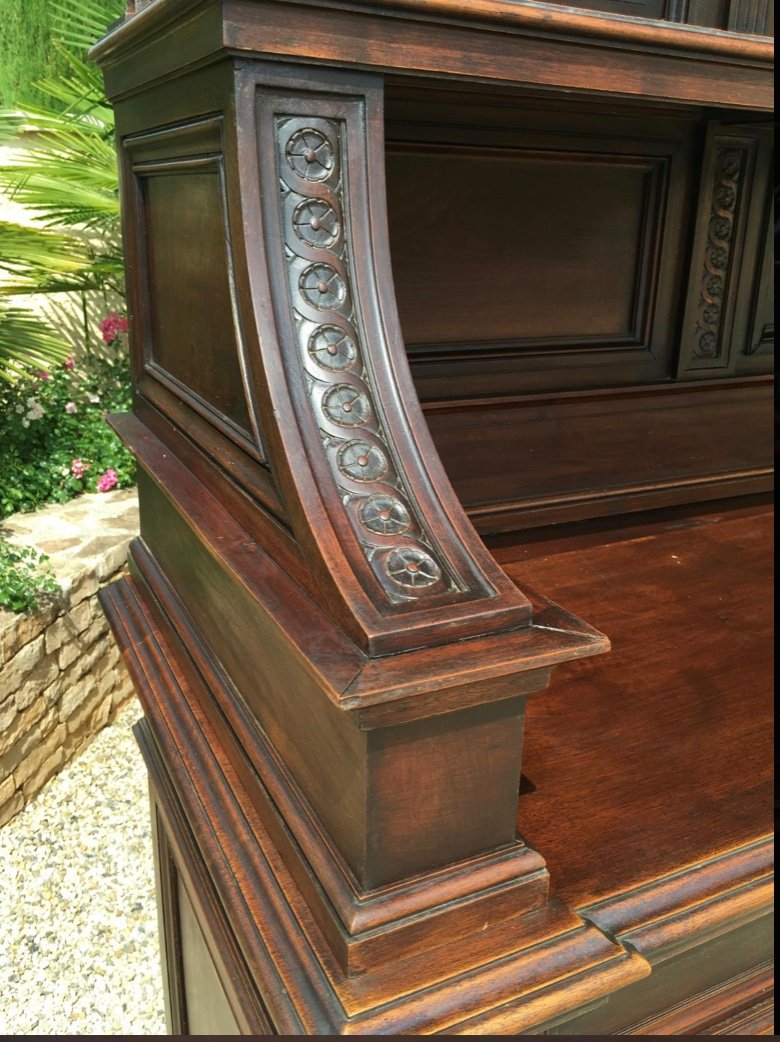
{"x": 111, "y": 326}
{"x": 69, "y": 362}
{"x": 42, "y": 375}
{"x": 107, "y": 480}
{"x": 71, "y": 407}
{"x": 77, "y": 468}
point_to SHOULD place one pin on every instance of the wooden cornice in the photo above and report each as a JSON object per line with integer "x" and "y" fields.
{"x": 524, "y": 44}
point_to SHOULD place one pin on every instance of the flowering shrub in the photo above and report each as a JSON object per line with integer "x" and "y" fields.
{"x": 25, "y": 577}
{"x": 54, "y": 437}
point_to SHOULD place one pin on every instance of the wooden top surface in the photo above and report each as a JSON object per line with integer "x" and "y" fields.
{"x": 658, "y": 754}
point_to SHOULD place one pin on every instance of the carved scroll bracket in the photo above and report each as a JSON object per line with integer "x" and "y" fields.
{"x": 394, "y": 557}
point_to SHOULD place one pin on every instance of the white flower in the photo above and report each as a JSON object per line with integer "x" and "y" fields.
{"x": 20, "y": 408}
{"x": 25, "y": 423}
{"x": 36, "y": 411}
{"x": 31, "y": 402}
{"x": 94, "y": 398}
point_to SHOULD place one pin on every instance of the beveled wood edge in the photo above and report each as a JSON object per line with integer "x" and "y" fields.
{"x": 350, "y": 679}
{"x": 564, "y": 963}
{"x": 740, "y": 1006}
{"x": 539, "y": 18}
{"x": 673, "y": 913}
{"x": 419, "y": 906}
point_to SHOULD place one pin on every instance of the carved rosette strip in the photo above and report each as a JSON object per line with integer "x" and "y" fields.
{"x": 373, "y": 489}
{"x": 729, "y": 174}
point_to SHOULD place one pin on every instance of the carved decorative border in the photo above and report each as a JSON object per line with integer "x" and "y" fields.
{"x": 330, "y": 337}
{"x": 729, "y": 175}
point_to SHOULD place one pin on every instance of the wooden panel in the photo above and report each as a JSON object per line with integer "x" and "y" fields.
{"x": 698, "y": 973}
{"x": 525, "y": 461}
{"x": 752, "y": 16}
{"x": 208, "y": 1012}
{"x": 535, "y": 246}
{"x": 520, "y": 247}
{"x": 192, "y": 338}
{"x": 686, "y": 693}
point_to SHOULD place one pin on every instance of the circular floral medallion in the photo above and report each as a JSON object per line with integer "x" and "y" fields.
{"x": 322, "y": 286}
{"x": 310, "y": 154}
{"x": 316, "y": 223}
{"x": 332, "y": 348}
{"x": 346, "y": 405}
{"x": 411, "y": 567}
{"x": 384, "y": 514}
{"x": 362, "y": 461}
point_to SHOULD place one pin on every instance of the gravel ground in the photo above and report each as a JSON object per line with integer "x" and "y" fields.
{"x": 78, "y": 922}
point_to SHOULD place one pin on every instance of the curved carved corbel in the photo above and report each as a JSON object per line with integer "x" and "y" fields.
{"x": 394, "y": 557}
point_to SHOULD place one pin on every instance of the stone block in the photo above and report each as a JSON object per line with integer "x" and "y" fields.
{"x": 75, "y": 695}
{"x": 112, "y": 560}
{"x": 82, "y": 585}
{"x": 21, "y": 722}
{"x": 37, "y": 680}
{"x": 50, "y": 746}
{"x": 81, "y": 615}
{"x": 68, "y": 653}
{"x": 11, "y": 808}
{"x": 97, "y": 628}
{"x": 25, "y": 745}
{"x": 17, "y": 668}
{"x": 107, "y": 682}
{"x": 35, "y": 782}
{"x": 7, "y": 789}
{"x": 18, "y": 630}
{"x": 60, "y": 632}
{"x": 85, "y": 710}
{"x": 8, "y": 712}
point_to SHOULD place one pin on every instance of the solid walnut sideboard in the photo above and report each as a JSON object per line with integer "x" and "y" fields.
{"x": 452, "y": 343}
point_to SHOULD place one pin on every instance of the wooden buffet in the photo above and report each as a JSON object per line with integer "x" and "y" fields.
{"x": 452, "y": 345}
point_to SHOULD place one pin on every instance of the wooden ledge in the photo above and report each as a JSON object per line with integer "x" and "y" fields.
{"x": 688, "y": 907}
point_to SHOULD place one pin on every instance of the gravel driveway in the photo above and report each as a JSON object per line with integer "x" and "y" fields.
{"x": 78, "y": 922}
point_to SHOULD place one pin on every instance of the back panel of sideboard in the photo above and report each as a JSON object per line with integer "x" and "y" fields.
{"x": 584, "y": 291}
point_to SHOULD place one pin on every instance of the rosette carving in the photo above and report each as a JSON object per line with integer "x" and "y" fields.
{"x": 370, "y": 480}
{"x": 729, "y": 170}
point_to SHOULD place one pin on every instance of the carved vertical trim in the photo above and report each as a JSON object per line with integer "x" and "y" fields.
{"x": 370, "y": 479}
{"x": 710, "y": 339}
{"x": 718, "y": 254}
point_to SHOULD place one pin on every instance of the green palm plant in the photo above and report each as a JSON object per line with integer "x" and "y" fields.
{"x": 67, "y": 178}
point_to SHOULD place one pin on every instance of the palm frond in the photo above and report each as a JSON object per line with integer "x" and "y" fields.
{"x": 26, "y": 341}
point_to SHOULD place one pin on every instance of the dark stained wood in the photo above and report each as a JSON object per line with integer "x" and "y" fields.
{"x": 633, "y": 459}
{"x": 335, "y": 670}
{"x": 689, "y": 672}
{"x": 553, "y": 962}
{"x": 524, "y": 43}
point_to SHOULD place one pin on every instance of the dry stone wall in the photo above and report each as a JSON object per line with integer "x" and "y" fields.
{"x": 61, "y": 675}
